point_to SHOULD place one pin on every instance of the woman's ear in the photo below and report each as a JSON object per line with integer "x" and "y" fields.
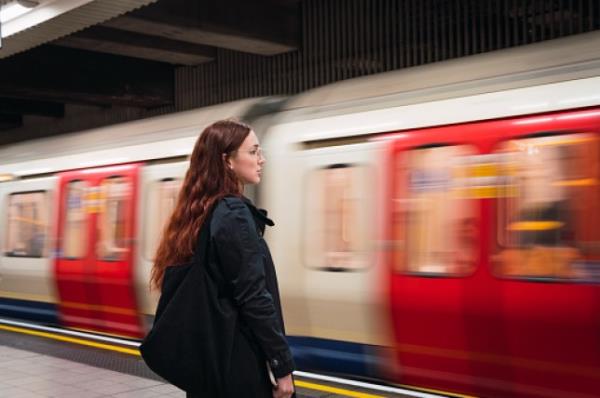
{"x": 227, "y": 160}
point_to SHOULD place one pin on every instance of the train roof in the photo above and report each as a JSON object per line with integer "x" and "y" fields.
{"x": 165, "y": 136}
{"x": 568, "y": 58}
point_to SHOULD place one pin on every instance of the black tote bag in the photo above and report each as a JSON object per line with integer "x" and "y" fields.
{"x": 192, "y": 337}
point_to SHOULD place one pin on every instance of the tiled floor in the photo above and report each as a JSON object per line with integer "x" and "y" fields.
{"x": 25, "y": 374}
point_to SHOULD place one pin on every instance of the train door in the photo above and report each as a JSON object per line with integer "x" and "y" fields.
{"x": 546, "y": 252}
{"x": 437, "y": 288}
{"x": 95, "y": 245}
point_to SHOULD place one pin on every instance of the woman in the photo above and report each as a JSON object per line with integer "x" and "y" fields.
{"x": 226, "y": 157}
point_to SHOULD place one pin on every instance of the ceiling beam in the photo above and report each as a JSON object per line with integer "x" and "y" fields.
{"x": 114, "y": 41}
{"x": 257, "y": 27}
{"x": 52, "y": 73}
{"x": 31, "y": 107}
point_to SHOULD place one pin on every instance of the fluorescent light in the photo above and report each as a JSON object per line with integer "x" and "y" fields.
{"x": 11, "y": 11}
{"x": 28, "y": 3}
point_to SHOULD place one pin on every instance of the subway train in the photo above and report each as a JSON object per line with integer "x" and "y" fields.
{"x": 437, "y": 227}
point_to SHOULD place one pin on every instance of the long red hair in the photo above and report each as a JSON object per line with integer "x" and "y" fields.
{"x": 207, "y": 180}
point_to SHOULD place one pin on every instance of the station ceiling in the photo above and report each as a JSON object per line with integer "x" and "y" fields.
{"x": 105, "y": 62}
{"x": 129, "y": 60}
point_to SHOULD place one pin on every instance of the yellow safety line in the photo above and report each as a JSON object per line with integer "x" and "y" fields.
{"x": 130, "y": 351}
{"x": 335, "y": 390}
{"x": 137, "y": 353}
{"x": 433, "y": 391}
{"x": 107, "y": 334}
{"x": 53, "y": 336}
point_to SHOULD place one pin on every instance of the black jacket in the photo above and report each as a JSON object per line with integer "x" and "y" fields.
{"x": 238, "y": 250}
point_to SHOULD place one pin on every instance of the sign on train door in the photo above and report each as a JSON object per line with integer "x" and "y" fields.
{"x": 95, "y": 245}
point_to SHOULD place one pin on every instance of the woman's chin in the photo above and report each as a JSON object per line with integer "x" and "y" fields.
{"x": 253, "y": 181}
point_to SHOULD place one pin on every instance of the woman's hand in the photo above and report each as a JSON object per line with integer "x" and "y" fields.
{"x": 284, "y": 388}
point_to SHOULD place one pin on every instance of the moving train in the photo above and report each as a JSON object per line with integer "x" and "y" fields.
{"x": 436, "y": 227}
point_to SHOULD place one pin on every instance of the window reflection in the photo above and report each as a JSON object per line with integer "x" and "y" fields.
{"x": 337, "y": 231}
{"x": 549, "y": 229}
{"x": 27, "y": 224}
{"x": 74, "y": 244}
{"x": 112, "y": 223}
{"x": 161, "y": 203}
{"x": 435, "y": 225}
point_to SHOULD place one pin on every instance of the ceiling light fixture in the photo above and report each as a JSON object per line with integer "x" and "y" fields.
{"x": 15, "y": 9}
{"x": 28, "y": 3}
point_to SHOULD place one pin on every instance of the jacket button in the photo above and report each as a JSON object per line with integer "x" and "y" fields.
{"x": 274, "y": 363}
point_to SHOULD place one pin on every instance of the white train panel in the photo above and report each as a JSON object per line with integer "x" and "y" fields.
{"x": 26, "y": 268}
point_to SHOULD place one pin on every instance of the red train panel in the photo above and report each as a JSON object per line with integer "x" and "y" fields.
{"x": 95, "y": 249}
{"x": 494, "y": 279}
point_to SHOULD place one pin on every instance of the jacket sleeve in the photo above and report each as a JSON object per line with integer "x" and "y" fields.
{"x": 242, "y": 264}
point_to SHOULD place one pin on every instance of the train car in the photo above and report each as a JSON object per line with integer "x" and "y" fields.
{"x": 436, "y": 227}
{"x": 450, "y": 213}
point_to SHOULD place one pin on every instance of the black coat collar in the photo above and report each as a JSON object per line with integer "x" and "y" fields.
{"x": 259, "y": 214}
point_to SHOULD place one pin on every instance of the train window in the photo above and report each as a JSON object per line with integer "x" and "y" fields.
{"x": 112, "y": 221}
{"x": 74, "y": 244}
{"x": 161, "y": 202}
{"x": 435, "y": 224}
{"x": 27, "y": 224}
{"x": 550, "y": 227}
{"x": 336, "y": 233}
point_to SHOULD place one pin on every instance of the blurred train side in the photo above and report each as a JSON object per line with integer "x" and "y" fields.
{"x": 344, "y": 307}
{"x": 346, "y": 300}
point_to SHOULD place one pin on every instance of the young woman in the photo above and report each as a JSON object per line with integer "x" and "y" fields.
{"x": 226, "y": 157}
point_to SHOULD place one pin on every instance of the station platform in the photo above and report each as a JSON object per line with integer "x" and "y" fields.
{"x": 40, "y": 362}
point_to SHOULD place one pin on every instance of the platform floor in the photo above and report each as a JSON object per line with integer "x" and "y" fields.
{"x": 26, "y": 374}
{"x": 32, "y": 366}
